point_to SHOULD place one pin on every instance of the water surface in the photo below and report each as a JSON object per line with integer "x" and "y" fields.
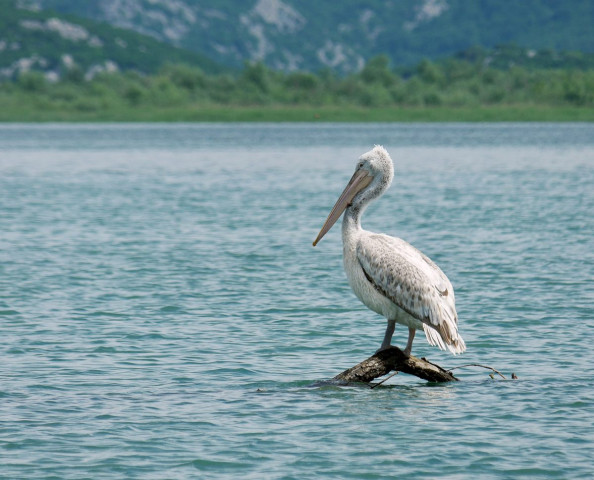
{"x": 164, "y": 315}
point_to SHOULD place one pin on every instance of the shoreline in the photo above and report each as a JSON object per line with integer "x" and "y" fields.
{"x": 300, "y": 114}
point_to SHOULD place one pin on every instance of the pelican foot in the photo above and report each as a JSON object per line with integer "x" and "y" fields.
{"x": 382, "y": 348}
{"x": 406, "y": 351}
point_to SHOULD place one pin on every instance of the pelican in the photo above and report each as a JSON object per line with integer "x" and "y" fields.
{"x": 390, "y": 276}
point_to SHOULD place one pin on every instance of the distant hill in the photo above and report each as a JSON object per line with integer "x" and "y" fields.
{"x": 504, "y": 57}
{"x": 343, "y": 35}
{"x": 60, "y": 44}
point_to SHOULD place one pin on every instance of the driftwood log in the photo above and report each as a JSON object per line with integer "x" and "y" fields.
{"x": 394, "y": 359}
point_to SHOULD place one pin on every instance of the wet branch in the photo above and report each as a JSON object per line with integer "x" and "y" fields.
{"x": 394, "y": 359}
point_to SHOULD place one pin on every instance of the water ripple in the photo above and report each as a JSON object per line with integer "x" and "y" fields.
{"x": 163, "y": 314}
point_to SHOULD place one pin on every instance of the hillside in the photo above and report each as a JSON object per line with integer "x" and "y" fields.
{"x": 60, "y": 44}
{"x": 310, "y": 35}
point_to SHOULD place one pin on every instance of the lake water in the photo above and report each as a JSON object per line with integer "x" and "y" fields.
{"x": 164, "y": 315}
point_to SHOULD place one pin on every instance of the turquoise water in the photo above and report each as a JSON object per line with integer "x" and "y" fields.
{"x": 164, "y": 315}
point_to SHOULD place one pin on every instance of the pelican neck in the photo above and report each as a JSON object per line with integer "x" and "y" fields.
{"x": 351, "y": 222}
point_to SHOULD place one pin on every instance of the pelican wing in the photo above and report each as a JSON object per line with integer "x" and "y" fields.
{"x": 415, "y": 284}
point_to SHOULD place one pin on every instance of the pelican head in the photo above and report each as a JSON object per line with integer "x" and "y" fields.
{"x": 373, "y": 175}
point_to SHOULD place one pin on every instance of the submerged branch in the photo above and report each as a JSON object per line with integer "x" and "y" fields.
{"x": 482, "y": 366}
{"x": 391, "y": 359}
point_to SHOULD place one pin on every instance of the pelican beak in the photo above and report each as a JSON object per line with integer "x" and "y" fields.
{"x": 358, "y": 182}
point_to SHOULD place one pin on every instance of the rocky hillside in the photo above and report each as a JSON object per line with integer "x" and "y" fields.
{"x": 312, "y": 34}
{"x": 60, "y": 44}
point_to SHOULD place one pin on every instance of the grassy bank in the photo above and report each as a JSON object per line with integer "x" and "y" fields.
{"x": 499, "y": 113}
{"x": 453, "y": 91}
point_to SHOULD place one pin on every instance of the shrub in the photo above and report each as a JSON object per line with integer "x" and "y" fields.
{"x": 32, "y": 81}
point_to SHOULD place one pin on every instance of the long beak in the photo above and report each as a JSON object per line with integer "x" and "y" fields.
{"x": 358, "y": 182}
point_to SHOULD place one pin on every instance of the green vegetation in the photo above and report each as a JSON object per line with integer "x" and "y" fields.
{"x": 451, "y": 90}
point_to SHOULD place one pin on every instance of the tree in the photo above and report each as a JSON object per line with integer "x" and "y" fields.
{"x": 32, "y": 81}
{"x": 429, "y": 72}
{"x": 376, "y": 70}
{"x": 257, "y": 74}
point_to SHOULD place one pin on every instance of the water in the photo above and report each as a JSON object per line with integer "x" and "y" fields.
{"x": 164, "y": 315}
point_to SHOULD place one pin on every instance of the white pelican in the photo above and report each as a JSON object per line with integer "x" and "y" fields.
{"x": 390, "y": 276}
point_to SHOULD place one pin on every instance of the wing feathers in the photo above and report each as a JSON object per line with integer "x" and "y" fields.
{"x": 415, "y": 284}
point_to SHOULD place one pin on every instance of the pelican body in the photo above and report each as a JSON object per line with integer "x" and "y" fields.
{"x": 390, "y": 276}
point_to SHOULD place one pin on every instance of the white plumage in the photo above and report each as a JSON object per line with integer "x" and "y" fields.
{"x": 390, "y": 276}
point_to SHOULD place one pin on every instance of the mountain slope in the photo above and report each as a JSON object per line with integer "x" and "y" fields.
{"x": 309, "y": 34}
{"x": 58, "y": 43}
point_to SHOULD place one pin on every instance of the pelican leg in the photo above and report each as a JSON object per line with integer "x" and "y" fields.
{"x": 388, "y": 335}
{"x": 411, "y": 337}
